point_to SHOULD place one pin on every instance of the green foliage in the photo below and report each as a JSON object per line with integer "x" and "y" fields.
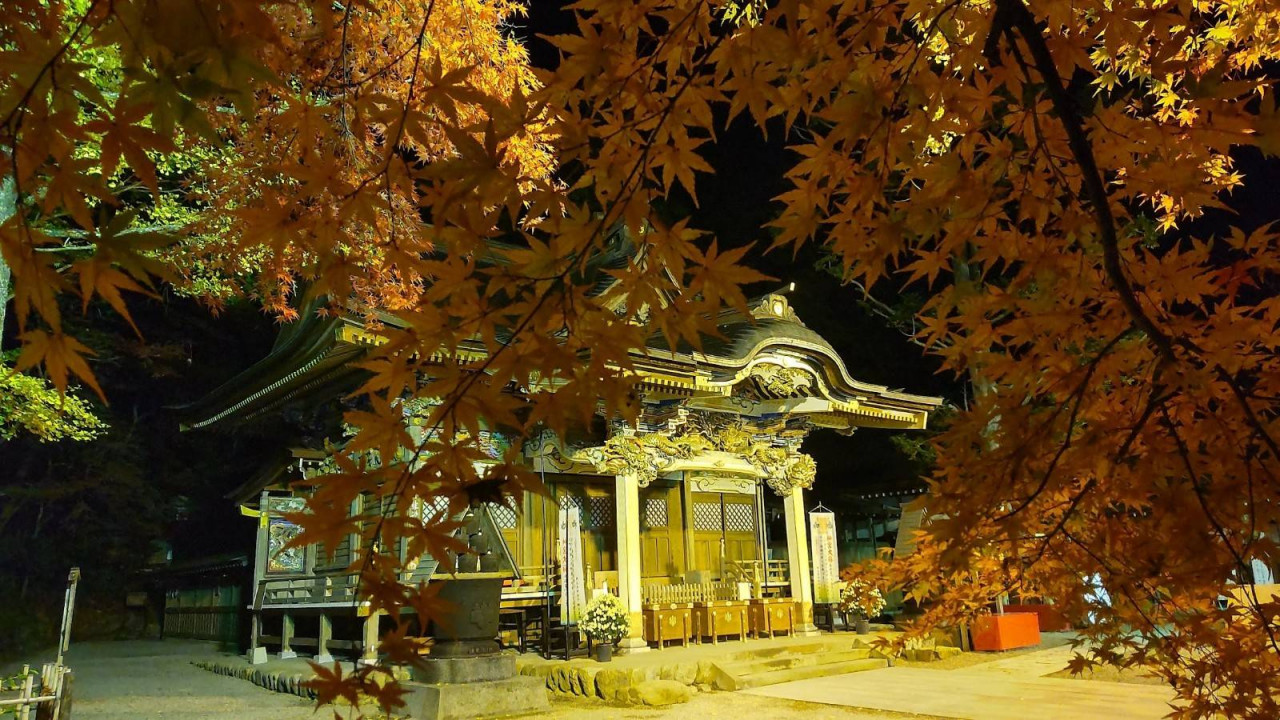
{"x": 15, "y": 681}
{"x": 29, "y": 404}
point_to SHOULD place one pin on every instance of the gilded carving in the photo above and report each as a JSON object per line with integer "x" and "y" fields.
{"x": 797, "y": 471}
{"x": 778, "y": 381}
{"x": 646, "y": 456}
{"x": 774, "y": 306}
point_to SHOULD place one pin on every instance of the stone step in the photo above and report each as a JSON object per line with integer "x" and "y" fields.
{"x": 804, "y": 672}
{"x": 781, "y": 651}
{"x": 765, "y": 664}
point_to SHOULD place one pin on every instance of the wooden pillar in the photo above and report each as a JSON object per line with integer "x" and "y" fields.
{"x": 798, "y": 559}
{"x": 369, "y": 651}
{"x": 627, "y": 500}
{"x": 286, "y": 637}
{"x": 322, "y": 640}
{"x": 257, "y": 653}
{"x": 686, "y": 521}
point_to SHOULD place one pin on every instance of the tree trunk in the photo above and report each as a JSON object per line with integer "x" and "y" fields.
{"x": 8, "y": 204}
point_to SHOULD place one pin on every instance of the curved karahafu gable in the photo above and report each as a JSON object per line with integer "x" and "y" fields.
{"x": 768, "y": 363}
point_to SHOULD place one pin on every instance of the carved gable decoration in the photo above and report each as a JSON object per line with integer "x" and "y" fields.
{"x": 646, "y": 456}
{"x": 771, "y": 381}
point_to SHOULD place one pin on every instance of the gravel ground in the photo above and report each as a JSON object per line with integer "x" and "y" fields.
{"x": 140, "y": 680}
{"x": 967, "y": 660}
{"x": 143, "y": 680}
{"x": 1110, "y": 674}
{"x": 723, "y": 706}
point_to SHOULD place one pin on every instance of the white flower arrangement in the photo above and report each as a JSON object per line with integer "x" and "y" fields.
{"x": 605, "y": 619}
{"x": 861, "y": 599}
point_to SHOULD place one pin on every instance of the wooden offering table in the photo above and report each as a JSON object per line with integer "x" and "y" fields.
{"x": 772, "y": 616}
{"x": 664, "y": 622}
{"x": 721, "y": 618}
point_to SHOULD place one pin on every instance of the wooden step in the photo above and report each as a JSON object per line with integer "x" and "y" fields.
{"x": 779, "y": 651}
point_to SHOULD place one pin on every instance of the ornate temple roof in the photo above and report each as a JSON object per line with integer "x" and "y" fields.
{"x": 766, "y": 364}
{"x": 763, "y": 363}
{"x": 781, "y": 362}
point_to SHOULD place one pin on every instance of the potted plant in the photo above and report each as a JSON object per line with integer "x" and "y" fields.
{"x": 605, "y": 622}
{"x": 861, "y": 601}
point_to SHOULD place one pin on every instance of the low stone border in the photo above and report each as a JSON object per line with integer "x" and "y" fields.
{"x": 284, "y": 681}
{"x": 929, "y": 650}
{"x": 646, "y": 685}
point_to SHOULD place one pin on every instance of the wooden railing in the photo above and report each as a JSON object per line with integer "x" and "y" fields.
{"x": 51, "y": 698}
{"x": 690, "y": 592}
{"x": 336, "y": 587}
{"x": 43, "y": 700}
{"x": 761, "y": 574}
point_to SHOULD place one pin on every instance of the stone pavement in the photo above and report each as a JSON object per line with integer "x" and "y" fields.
{"x": 1009, "y": 689}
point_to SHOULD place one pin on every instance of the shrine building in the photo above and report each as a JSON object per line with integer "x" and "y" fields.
{"x": 673, "y": 513}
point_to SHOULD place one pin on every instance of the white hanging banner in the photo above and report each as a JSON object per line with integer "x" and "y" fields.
{"x": 824, "y": 557}
{"x": 573, "y": 586}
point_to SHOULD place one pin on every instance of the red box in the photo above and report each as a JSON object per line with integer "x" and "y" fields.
{"x": 1005, "y": 632}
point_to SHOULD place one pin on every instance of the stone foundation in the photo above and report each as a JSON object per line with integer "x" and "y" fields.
{"x": 465, "y": 701}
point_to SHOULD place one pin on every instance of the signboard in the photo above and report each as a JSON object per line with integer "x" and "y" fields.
{"x": 825, "y": 558}
{"x": 913, "y": 518}
{"x": 280, "y": 558}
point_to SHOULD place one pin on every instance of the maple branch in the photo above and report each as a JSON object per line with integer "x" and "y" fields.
{"x": 1095, "y": 193}
{"x": 1079, "y": 393}
{"x": 448, "y": 407}
{"x": 920, "y": 45}
{"x": 394, "y": 143}
{"x": 49, "y": 64}
{"x": 1251, "y": 594}
{"x": 1152, "y": 625}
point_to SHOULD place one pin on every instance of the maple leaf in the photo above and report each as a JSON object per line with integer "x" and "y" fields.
{"x": 60, "y": 355}
{"x": 331, "y": 684}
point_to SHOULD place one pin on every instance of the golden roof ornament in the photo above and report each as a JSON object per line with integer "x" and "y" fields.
{"x": 775, "y": 306}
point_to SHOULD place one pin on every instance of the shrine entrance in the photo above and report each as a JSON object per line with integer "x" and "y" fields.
{"x": 724, "y": 531}
{"x": 598, "y": 519}
{"x": 662, "y": 539}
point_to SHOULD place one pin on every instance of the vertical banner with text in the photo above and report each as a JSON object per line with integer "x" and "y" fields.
{"x": 572, "y": 581}
{"x": 824, "y": 557}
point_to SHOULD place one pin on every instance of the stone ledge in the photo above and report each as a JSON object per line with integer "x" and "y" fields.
{"x": 284, "y": 681}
